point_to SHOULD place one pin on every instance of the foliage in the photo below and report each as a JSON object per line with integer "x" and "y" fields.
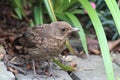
{"x": 101, "y": 38}
{"x": 105, "y": 16}
{"x": 38, "y": 11}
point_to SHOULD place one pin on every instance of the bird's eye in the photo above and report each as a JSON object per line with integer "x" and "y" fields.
{"x": 26, "y": 34}
{"x": 63, "y": 29}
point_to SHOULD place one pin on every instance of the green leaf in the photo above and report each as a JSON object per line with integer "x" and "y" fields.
{"x": 18, "y": 7}
{"x": 69, "y": 1}
{"x": 70, "y": 47}
{"x": 18, "y": 12}
{"x": 38, "y": 13}
{"x": 64, "y": 5}
{"x": 17, "y": 3}
{"x": 62, "y": 16}
{"x": 64, "y": 67}
{"x": 77, "y": 24}
{"x": 101, "y": 38}
{"x": 76, "y": 11}
{"x": 50, "y": 9}
{"x": 31, "y": 23}
{"x": 114, "y": 9}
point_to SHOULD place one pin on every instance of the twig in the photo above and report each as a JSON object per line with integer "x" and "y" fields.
{"x": 17, "y": 68}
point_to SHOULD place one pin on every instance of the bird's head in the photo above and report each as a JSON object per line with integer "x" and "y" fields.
{"x": 62, "y": 28}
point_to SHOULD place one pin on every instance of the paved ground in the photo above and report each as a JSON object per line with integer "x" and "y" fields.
{"x": 91, "y": 68}
{"x": 94, "y": 68}
{"x": 4, "y": 74}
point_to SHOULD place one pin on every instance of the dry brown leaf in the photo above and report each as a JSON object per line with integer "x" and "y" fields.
{"x": 13, "y": 59}
{"x": 93, "y": 45}
{"x": 73, "y": 64}
{"x": 13, "y": 70}
{"x": 28, "y": 66}
{"x": 11, "y": 38}
{"x": 11, "y": 52}
{"x": 19, "y": 47}
{"x": 113, "y": 44}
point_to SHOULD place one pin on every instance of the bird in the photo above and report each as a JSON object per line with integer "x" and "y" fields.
{"x": 46, "y": 41}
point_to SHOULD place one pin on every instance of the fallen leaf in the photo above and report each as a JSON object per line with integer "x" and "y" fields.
{"x": 113, "y": 44}
{"x": 13, "y": 70}
{"x": 93, "y": 45}
{"x": 73, "y": 64}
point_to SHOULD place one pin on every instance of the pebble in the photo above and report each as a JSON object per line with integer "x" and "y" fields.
{"x": 4, "y": 74}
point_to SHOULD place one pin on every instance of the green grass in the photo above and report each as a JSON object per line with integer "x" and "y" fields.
{"x": 101, "y": 38}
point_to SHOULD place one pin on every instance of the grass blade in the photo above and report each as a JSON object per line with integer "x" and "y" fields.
{"x": 17, "y": 4}
{"x": 17, "y": 7}
{"x": 50, "y": 9}
{"x": 70, "y": 47}
{"x": 101, "y": 38}
{"x": 38, "y": 13}
{"x": 31, "y": 23}
{"x": 18, "y": 12}
{"x": 81, "y": 33}
{"x": 114, "y": 9}
{"x": 64, "y": 67}
{"x": 63, "y": 17}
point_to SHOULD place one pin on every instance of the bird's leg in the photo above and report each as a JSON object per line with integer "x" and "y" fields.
{"x": 50, "y": 70}
{"x": 47, "y": 70}
{"x": 34, "y": 71}
{"x": 60, "y": 58}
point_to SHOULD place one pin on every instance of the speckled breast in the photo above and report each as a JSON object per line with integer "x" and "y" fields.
{"x": 47, "y": 50}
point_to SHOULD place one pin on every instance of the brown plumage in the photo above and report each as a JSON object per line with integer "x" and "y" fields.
{"x": 46, "y": 41}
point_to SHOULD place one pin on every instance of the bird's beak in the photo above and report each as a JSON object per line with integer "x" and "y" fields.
{"x": 75, "y": 30}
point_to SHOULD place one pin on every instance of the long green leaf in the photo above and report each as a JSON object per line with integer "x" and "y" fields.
{"x": 64, "y": 5}
{"x": 50, "y": 10}
{"x": 101, "y": 38}
{"x": 114, "y": 9}
{"x": 17, "y": 7}
{"x": 70, "y": 47}
{"x": 38, "y": 13}
{"x": 18, "y": 12}
{"x": 77, "y": 24}
{"x": 64, "y": 67}
{"x": 31, "y": 23}
{"x": 62, "y": 16}
{"x": 57, "y": 4}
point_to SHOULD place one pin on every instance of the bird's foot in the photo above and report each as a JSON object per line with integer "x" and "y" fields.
{"x": 51, "y": 74}
{"x": 36, "y": 77}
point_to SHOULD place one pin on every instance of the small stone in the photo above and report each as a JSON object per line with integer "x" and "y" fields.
{"x": 69, "y": 58}
{"x": 4, "y": 74}
{"x": 73, "y": 64}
